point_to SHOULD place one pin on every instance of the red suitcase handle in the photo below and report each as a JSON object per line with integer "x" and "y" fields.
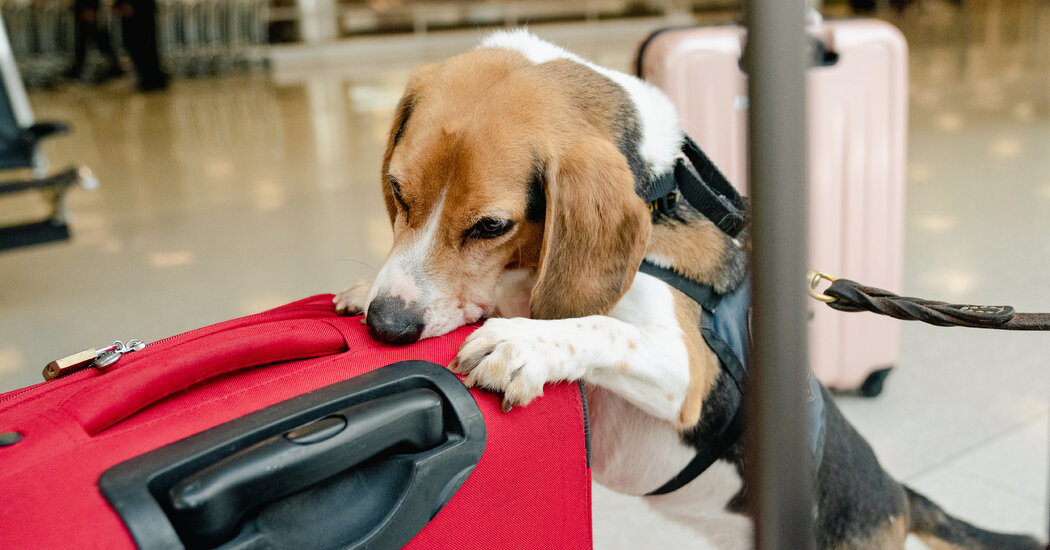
{"x": 128, "y": 388}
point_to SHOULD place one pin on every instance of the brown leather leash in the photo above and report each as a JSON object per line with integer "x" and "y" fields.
{"x": 847, "y": 295}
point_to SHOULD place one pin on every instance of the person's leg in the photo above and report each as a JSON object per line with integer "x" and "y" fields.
{"x": 105, "y": 47}
{"x": 82, "y": 28}
{"x": 140, "y": 39}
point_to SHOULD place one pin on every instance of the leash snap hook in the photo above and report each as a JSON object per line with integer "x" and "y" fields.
{"x": 814, "y": 280}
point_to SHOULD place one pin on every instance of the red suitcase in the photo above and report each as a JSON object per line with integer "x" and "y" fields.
{"x": 285, "y": 430}
{"x": 857, "y": 137}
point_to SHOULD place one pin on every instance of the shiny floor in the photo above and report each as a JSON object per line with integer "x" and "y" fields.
{"x": 225, "y": 196}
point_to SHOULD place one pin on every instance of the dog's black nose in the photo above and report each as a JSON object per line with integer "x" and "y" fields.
{"x": 391, "y": 321}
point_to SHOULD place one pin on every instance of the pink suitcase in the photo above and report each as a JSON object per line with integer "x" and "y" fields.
{"x": 857, "y": 137}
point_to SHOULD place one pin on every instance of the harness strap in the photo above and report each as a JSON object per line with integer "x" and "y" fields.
{"x": 706, "y": 455}
{"x": 701, "y": 294}
{"x": 717, "y": 446}
{"x": 705, "y": 187}
{"x": 712, "y": 192}
{"x": 709, "y": 300}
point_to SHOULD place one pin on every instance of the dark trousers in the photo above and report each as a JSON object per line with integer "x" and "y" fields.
{"x": 87, "y": 31}
{"x": 139, "y": 25}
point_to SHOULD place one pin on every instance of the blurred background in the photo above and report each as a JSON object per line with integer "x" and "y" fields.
{"x": 239, "y": 170}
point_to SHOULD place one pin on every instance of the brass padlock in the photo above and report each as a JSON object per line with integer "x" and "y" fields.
{"x": 70, "y": 363}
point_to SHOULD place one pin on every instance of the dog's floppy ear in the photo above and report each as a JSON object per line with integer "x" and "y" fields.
{"x": 397, "y": 130}
{"x": 595, "y": 233}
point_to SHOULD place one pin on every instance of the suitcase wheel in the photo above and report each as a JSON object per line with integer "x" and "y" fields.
{"x": 872, "y": 386}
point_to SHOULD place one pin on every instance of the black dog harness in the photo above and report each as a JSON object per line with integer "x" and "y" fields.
{"x": 725, "y": 323}
{"x": 702, "y": 185}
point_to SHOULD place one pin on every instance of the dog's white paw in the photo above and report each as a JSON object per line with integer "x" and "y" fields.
{"x": 354, "y": 300}
{"x": 512, "y": 356}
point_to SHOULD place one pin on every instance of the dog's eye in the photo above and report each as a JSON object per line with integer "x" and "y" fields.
{"x": 395, "y": 188}
{"x": 489, "y": 228}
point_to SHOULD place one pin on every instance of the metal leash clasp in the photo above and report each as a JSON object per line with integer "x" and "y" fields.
{"x": 814, "y": 280}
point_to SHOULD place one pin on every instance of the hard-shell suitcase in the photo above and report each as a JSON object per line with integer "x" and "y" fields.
{"x": 289, "y": 429}
{"x": 857, "y": 108}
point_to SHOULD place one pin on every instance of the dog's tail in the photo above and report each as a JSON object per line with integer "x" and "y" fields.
{"x": 940, "y": 531}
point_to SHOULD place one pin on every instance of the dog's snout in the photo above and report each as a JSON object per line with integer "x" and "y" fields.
{"x": 392, "y": 321}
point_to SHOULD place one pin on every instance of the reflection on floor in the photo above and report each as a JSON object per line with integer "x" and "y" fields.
{"x": 222, "y": 197}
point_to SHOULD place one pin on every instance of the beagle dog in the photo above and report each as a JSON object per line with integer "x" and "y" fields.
{"x": 513, "y": 177}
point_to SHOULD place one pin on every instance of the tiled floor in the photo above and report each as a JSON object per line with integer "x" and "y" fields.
{"x": 225, "y": 196}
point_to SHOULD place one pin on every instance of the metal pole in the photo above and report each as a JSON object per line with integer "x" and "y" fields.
{"x": 780, "y": 472}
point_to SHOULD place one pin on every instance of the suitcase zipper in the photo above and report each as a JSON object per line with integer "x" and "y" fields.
{"x": 75, "y": 365}
{"x": 111, "y": 354}
{"x": 70, "y": 375}
{"x": 91, "y": 357}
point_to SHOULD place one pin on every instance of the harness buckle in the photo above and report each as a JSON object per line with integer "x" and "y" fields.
{"x": 666, "y": 204}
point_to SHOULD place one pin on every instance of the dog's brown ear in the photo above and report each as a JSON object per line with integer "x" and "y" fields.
{"x": 397, "y": 130}
{"x": 595, "y": 232}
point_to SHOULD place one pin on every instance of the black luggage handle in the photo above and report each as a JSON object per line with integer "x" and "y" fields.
{"x": 363, "y": 463}
{"x": 210, "y": 504}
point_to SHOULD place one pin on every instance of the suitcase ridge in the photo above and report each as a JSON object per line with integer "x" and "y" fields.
{"x": 117, "y": 394}
{"x": 320, "y": 303}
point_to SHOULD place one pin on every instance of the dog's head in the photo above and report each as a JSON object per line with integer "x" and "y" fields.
{"x": 500, "y": 169}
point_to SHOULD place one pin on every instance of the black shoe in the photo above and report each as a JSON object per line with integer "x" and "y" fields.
{"x": 114, "y": 71}
{"x": 153, "y": 85}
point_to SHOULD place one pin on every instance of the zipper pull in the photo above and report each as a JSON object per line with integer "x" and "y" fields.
{"x": 91, "y": 357}
{"x": 113, "y": 353}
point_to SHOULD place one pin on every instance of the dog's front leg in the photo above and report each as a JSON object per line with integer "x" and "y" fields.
{"x": 646, "y": 361}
